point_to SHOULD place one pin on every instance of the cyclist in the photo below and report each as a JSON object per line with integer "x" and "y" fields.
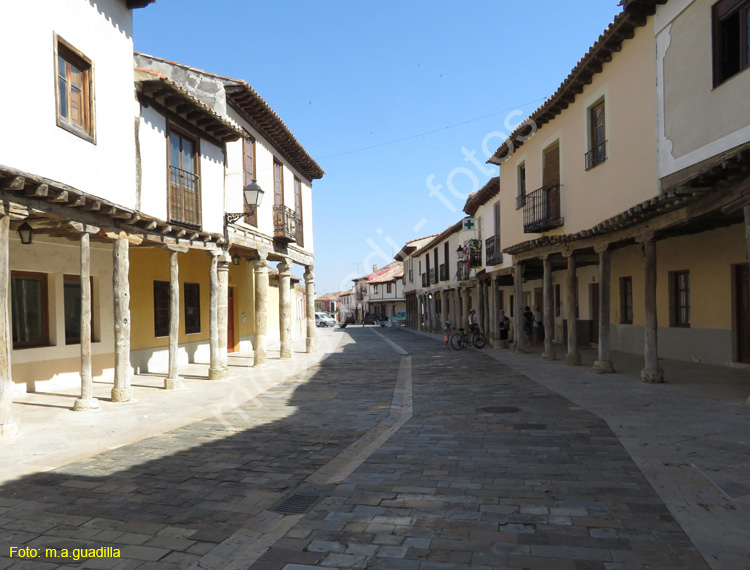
{"x": 473, "y": 324}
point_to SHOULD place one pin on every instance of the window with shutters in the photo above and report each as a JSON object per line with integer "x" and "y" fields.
{"x": 184, "y": 183}
{"x": 278, "y": 184}
{"x": 161, "y": 308}
{"x": 298, "y": 211}
{"x": 731, "y": 38}
{"x": 597, "y": 136}
{"x": 29, "y": 309}
{"x": 251, "y": 212}
{"x": 679, "y": 298}
{"x": 74, "y": 88}
{"x": 521, "y": 196}
{"x": 192, "y": 308}
{"x": 72, "y": 303}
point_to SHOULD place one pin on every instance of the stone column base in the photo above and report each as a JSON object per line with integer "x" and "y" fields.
{"x": 573, "y": 359}
{"x": 217, "y": 373}
{"x": 503, "y": 344}
{"x": 310, "y": 346}
{"x": 548, "y": 356}
{"x": 85, "y": 405}
{"x": 603, "y": 367}
{"x": 9, "y": 430}
{"x": 515, "y": 350}
{"x": 174, "y": 384}
{"x": 122, "y": 394}
{"x": 652, "y": 375}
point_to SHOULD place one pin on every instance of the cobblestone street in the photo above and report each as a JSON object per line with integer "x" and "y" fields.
{"x": 409, "y": 456}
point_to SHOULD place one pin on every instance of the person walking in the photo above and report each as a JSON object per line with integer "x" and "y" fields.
{"x": 528, "y": 324}
{"x": 446, "y": 333}
{"x": 473, "y": 324}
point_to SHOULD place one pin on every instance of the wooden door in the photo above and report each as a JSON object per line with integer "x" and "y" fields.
{"x": 551, "y": 179}
{"x": 230, "y": 321}
{"x": 742, "y": 312}
{"x": 594, "y": 299}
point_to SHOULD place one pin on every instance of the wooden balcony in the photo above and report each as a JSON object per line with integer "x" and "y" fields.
{"x": 542, "y": 210}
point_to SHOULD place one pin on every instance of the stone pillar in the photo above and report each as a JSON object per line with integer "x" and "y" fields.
{"x": 519, "y": 342}
{"x": 604, "y": 364}
{"x": 491, "y": 311}
{"x": 214, "y": 367}
{"x": 121, "y": 391}
{"x": 222, "y": 316}
{"x": 480, "y": 309}
{"x": 285, "y": 309}
{"x": 573, "y": 357}
{"x": 548, "y": 311}
{"x": 443, "y": 308}
{"x": 465, "y": 306}
{"x": 435, "y": 320}
{"x": 173, "y": 380}
{"x": 457, "y": 307}
{"x": 87, "y": 400}
{"x": 651, "y": 373}
{"x": 310, "y": 309}
{"x": 7, "y": 426}
{"x": 261, "y": 311}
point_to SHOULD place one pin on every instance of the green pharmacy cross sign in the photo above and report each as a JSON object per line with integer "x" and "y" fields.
{"x": 469, "y": 224}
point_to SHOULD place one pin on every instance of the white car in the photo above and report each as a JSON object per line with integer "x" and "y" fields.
{"x": 324, "y": 320}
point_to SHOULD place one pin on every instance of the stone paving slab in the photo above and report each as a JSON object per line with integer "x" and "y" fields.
{"x": 493, "y": 470}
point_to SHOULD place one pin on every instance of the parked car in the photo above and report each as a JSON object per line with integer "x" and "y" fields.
{"x": 373, "y": 319}
{"x": 350, "y": 319}
{"x": 324, "y": 320}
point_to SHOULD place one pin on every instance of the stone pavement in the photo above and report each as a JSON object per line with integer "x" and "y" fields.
{"x": 412, "y": 457}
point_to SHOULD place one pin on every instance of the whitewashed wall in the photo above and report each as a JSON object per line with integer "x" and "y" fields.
{"x": 102, "y": 31}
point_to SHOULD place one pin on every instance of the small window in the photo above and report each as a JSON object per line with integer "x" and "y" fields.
{"x": 74, "y": 88}
{"x": 251, "y": 212}
{"x": 626, "y": 300}
{"x": 731, "y": 28}
{"x": 29, "y": 311}
{"x": 72, "y": 299}
{"x": 278, "y": 184}
{"x": 192, "y": 308}
{"x": 679, "y": 298}
{"x": 161, "y": 308}
{"x": 597, "y": 133}
{"x": 521, "y": 197}
{"x": 375, "y": 289}
{"x": 388, "y": 288}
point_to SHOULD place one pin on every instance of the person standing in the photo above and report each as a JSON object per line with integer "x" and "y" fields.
{"x": 473, "y": 324}
{"x": 538, "y": 327}
{"x": 446, "y": 333}
{"x": 528, "y": 324}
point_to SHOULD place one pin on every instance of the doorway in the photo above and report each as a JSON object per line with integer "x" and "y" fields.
{"x": 742, "y": 312}
{"x": 230, "y": 320}
{"x": 594, "y": 300}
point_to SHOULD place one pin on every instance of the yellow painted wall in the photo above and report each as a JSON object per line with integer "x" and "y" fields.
{"x": 627, "y": 177}
{"x": 151, "y": 264}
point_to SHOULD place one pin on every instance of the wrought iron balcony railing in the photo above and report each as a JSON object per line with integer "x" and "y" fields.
{"x": 184, "y": 197}
{"x": 443, "y": 272}
{"x": 596, "y": 155}
{"x": 425, "y": 280}
{"x": 432, "y": 276}
{"x": 542, "y": 210}
{"x": 284, "y": 224}
{"x": 520, "y": 201}
{"x": 494, "y": 255}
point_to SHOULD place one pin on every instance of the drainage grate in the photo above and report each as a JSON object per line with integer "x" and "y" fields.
{"x": 499, "y": 410}
{"x": 296, "y": 504}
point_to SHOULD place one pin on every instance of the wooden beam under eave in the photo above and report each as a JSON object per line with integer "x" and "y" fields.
{"x": 94, "y": 206}
{"x": 173, "y": 101}
{"x": 184, "y": 108}
{"x": 39, "y": 191}
{"x": 13, "y": 183}
{"x": 193, "y": 115}
{"x": 62, "y": 196}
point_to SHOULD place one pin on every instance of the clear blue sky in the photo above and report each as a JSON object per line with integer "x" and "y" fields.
{"x": 384, "y": 95}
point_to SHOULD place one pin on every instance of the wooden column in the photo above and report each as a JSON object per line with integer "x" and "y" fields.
{"x": 491, "y": 311}
{"x": 443, "y": 307}
{"x": 481, "y": 308}
{"x": 603, "y": 364}
{"x": 651, "y": 372}
{"x": 456, "y": 307}
{"x": 122, "y": 390}
{"x": 214, "y": 367}
{"x": 86, "y": 401}
{"x": 573, "y": 357}
{"x": 261, "y": 312}
{"x": 8, "y": 427}
{"x": 519, "y": 341}
{"x": 310, "y": 309}
{"x": 548, "y": 319}
{"x": 173, "y": 380}
{"x": 465, "y": 306}
{"x": 222, "y": 313}
{"x": 499, "y": 312}
{"x": 285, "y": 309}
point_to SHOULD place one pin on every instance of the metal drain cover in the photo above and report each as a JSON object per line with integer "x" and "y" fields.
{"x": 296, "y": 504}
{"x": 499, "y": 410}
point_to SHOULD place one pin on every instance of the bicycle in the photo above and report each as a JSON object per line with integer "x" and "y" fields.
{"x": 463, "y": 339}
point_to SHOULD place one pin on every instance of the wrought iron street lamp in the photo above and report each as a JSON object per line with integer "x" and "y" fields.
{"x": 253, "y": 196}
{"x": 26, "y": 233}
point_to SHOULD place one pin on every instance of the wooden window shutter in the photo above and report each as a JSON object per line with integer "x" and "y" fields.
{"x": 551, "y": 174}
